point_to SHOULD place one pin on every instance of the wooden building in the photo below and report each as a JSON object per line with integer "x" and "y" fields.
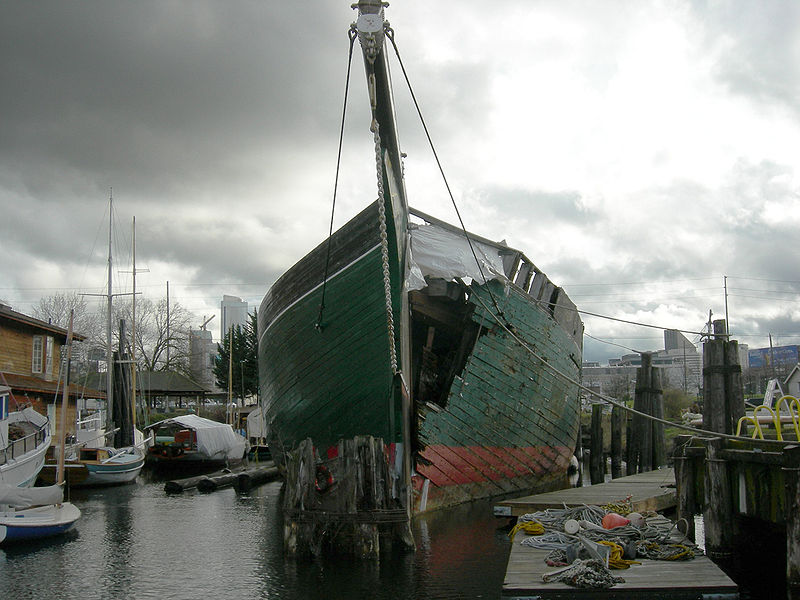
{"x": 30, "y": 361}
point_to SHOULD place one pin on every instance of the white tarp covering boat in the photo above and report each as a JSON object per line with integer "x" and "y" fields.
{"x": 215, "y": 440}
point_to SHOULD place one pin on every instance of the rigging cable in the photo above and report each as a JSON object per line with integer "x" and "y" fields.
{"x": 352, "y": 34}
{"x": 390, "y": 35}
{"x": 591, "y": 314}
{"x": 603, "y": 397}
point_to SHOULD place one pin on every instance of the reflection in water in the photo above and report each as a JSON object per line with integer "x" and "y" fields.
{"x": 137, "y": 542}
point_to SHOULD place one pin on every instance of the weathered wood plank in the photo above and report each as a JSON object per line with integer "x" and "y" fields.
{"x": 652, "y": 490}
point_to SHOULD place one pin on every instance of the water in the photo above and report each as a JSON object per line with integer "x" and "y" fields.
{"x": 136, "y": 542}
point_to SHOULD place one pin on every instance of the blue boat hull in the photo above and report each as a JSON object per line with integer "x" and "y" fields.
{"x": 37, "y": 523}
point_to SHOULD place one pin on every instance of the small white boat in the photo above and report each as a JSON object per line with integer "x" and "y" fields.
{"x": 32, "y": 513}
{"x": 101, "y": 466}
{"x": 24, "y": 440}
{"x": 90, "y": 463}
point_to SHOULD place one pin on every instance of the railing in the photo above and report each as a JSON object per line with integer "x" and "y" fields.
{"x": 24, "y": 445}
{"x": 793, "y": 409}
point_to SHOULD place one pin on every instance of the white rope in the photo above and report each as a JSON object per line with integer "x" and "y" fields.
{"x": 387, "y": 282}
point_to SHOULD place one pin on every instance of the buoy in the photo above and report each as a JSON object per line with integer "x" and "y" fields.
{"x": 636, "y": 519}
{"x": 571, "y": 526}
{"x": 612, "y": 520}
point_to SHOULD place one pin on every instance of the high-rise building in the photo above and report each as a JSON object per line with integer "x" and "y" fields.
{"x": 201, "y": 360}
{"x": 233, "y": 312}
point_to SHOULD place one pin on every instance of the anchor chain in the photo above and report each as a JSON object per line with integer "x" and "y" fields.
{"x": 387, "y": 282}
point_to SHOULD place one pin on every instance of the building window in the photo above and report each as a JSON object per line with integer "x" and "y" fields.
{"x": 36, "y": 358}
{"x": 48, "y": 352}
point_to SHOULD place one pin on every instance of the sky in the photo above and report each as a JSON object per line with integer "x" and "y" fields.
{"x": 644, "y": 154}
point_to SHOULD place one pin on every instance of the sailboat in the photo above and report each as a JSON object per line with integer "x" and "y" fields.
{"x": 24, "y": 440}
{"x": 455, "y": 351}
{"x": 37, "y": 512}
{"x": 91, "y": 461}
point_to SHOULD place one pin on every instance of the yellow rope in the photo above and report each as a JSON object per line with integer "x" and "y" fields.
{"x": 622, "y": 507}
{"x": 531, "y": 527}
{"x": 615, "y": 560}
{"x": 667, "y": 551}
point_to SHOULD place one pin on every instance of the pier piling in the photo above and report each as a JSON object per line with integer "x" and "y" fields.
{"x": 596, "y": 456}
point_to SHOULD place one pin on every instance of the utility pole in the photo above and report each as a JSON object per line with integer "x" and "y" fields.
{"x": 727, "y": 321}
{"x": 169, "y": 341}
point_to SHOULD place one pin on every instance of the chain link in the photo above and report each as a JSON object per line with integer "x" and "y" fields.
{"x": 387, "y": 282}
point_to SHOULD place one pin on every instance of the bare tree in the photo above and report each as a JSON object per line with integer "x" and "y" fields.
{"x": 157, "y": 349}
{"x": 162, "y": 334}
{"x": 56, "y": 309}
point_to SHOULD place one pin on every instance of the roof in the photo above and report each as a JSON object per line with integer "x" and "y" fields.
{"x": 7, "y": 313}
{"x": 157, "y": 383}
{"x": 36, "y": 385}
{"x": 791, "y": 374}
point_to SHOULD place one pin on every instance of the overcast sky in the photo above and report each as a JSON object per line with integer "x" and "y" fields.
{"x": 636, "y": 151}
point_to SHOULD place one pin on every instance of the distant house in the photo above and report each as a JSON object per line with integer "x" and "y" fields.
{"x": 791, "y": 385}
{"x": 30, "y": 360}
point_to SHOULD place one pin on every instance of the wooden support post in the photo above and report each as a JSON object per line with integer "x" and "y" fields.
{"x": 723, "y": 403}
{"x": 580, "y": 455}
{"x": 657, "y": 410}
{"x": 617, "y": 421}
{"x": 596, "y": 458}
{"x": 630, "y": 443}
{"x": 684, "y": 482}
{"x": 791, "y": 477}
{"x": 642, "y": 454}
{"x": 718, "y": 508}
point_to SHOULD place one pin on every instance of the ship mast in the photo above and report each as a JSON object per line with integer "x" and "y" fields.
{"x": 109, "y": 349}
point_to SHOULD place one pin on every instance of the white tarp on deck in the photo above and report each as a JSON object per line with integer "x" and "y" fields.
{"x": 437, "y": 252}
{"x": 30, "y": 496}
{"x": 215, "y": 440}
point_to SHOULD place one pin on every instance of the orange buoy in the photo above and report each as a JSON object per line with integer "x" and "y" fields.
{"x": 612, "y": 520}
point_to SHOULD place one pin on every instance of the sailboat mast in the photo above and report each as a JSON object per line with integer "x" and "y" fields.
{"x": 230, "y": 376}
{"x": 133, "y": 337}
{"x": 62, "y": 422}
{"x": 109, "y": 349}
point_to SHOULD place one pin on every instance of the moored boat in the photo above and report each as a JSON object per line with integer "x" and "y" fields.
{"x": 192, "y": 442}
{"x": 24, "y": 440}
{"x": 453, "y": 351}
{"x": 33, "y": 513}
{"x": 37, "y": 512}
{"x": 89, "y": 467}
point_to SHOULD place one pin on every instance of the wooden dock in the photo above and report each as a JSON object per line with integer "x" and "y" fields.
{"x": 649, "y": 491}
{"x": 676, "y": 580}
{"x": 652, "y": 490}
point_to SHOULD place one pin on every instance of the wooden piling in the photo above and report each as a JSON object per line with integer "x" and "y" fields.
{"x": 657, "y": 410}
{"x": 342, "y": 502}
{"x": 723, "y": 403}
{"x": 617, "y": 424}
{"x": 718, "y": 508}
{"x": 642, "y": 429}
{"x": 791, "y": 474}
{"x": 684, "y": 483}
{"x": 596, "y": 457}
{"x": 646, "y": 445}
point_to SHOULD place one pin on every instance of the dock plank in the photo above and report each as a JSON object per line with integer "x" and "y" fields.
{"x": 653, "y": 578}
{"x": 652, "y": 490}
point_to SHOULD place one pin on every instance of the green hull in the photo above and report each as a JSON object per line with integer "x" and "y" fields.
{"x": 333, "y": 381}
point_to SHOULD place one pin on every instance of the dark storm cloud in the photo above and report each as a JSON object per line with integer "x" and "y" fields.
{"x": 117, "y": 90}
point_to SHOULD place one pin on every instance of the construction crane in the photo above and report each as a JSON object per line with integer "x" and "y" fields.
{"x": 206, "y": 322}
